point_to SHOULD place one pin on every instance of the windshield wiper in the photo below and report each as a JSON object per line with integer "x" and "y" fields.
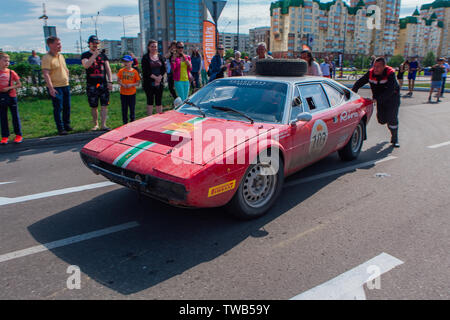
{"x": 227, "y": 109}
{"x": 194, "y": 105}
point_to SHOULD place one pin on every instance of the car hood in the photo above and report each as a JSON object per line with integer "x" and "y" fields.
{"x": 187, "y": 137}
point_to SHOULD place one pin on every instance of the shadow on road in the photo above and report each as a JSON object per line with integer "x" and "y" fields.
{"x": 169, "y": 241}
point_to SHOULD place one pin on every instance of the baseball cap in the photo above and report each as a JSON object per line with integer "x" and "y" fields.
{"x": 93, "y": 39}
{"x": 127, "y": 58}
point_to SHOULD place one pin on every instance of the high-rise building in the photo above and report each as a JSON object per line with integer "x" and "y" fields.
{"x": 230, "y": 41}
{"x": 167, "y": 20}
{"x": 258, "y": 35}
{"x": 418, "y": 36}
{"x": 129, "y": 45}
{"x": 440, "y": 11}
{"x": 113, "y": 48}
{"x": 334, "y": 27}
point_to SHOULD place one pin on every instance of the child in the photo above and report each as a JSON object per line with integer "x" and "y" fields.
{"x": 436, "y": 78}
{"x": 9, "y": 82}
{"x": 129, "y": 79}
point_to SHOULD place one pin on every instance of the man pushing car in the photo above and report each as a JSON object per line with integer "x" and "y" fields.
{"x": 386, "y": 92}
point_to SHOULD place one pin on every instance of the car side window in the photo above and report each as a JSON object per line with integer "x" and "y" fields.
{"x": 314, "y": 97}
{"x": 334, "y": 96}
{"x": 297, "y": 104}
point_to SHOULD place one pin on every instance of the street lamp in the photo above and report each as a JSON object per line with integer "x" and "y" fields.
{"x": 123, "y": 22}
{"x": 95, "y": 22}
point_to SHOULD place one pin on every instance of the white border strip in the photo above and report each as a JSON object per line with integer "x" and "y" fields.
{"x": 338, "y": 171}
{"x": 350, "y": 283}
{"x": 67, "y": 241}
{"x": 6, "y": 201}
{"x": 439, "y": 145}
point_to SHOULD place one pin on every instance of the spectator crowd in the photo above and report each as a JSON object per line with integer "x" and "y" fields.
{"x": 180, "y": 72}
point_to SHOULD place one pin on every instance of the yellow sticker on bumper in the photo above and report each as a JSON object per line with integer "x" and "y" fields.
{"x": 214, "y": 191}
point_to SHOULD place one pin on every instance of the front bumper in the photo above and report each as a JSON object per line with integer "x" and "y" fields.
{"x": 161, "y": 189}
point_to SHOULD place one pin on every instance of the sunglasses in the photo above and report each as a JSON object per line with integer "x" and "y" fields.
{"x": 180, "y": 47}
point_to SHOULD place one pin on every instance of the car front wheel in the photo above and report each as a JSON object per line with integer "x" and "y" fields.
{"x": 260, "y": 187}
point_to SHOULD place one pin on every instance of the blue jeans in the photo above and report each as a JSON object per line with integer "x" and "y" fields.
{"x": 61, "y": 103}
{"x": 443, "y": 86}
{"x": 196, "y": 76}
{"x": 14, "y": 108}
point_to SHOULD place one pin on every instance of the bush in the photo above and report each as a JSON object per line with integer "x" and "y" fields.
{"x": 396, "y": 61}
{"x": 429, "y": 60}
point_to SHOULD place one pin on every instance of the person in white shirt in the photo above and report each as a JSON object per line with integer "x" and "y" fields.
{"x": 313, "y": 66}
{"x": 325, "y": 68}
{"x": 247, "y": 66}
{"x": 261, "y": 50}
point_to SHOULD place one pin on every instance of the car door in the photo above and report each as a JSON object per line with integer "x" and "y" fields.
{"x": 320, "y": 132}
{"x": 347, "y": 116}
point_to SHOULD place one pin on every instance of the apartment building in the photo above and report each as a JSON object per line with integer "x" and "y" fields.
{"x": 440, "y": 11}
{"x": 334, "y": 27}
{"x": 418, "y": 36}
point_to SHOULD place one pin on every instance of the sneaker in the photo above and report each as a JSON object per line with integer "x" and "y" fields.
{"x": 63, "y": 133}
{"x": 18, "y": 139}
{"x": 396, "y": 145}
{"x": 106, "y": 129}
{"x": 4, "y": 141}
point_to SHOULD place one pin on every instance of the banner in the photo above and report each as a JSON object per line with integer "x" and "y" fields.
{"x": 209, "y": 42}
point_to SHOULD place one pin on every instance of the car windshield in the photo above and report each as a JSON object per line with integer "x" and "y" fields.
{"x": 262, "y": 101}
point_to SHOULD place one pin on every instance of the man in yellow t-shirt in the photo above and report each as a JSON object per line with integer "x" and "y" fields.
{"x": 56, "y": 76}
{"x": 128, "y": 79}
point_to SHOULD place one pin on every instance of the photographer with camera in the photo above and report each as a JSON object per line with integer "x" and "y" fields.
{"x": 99, "y": 81}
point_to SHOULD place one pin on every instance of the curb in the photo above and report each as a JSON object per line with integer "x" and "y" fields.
{"x": 41, "y": 143}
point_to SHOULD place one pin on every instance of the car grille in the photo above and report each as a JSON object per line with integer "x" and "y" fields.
{"x": 161, "y": 189}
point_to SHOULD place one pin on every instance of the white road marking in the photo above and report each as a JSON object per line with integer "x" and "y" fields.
{"x": 67, "y": 241}
{"x": 6, "y": 201}
{"x": 338, "y": 171}
{"x": 1, "y": 183}
{"x": 439, "y": 145}
{"x": 349, "y": 285}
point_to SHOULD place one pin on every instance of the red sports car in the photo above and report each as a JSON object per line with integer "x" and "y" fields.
{"x": 233, "y": 142}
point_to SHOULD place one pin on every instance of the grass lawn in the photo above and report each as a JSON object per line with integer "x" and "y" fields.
{"x": 36, "y": 115}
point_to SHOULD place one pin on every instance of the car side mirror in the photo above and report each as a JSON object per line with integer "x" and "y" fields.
{"x": 304, "y": 116}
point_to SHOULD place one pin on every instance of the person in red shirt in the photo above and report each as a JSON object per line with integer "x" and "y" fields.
{"x": 9, "y": 82}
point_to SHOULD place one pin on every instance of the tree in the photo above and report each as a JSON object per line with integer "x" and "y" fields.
{"x": 396, "y": 61}
{"x": 429, "y": 60}
{"x": 361, "y": 62}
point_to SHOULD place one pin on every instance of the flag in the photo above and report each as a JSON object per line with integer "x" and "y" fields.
{"x": 209, "y": 42}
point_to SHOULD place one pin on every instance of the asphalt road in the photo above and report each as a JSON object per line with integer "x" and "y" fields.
{"x": 317, "y": 231}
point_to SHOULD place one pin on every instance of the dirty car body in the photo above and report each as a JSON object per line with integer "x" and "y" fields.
{"x": 203, "y": 154}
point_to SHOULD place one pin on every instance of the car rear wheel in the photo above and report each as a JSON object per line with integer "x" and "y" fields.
{"x": 352, "y": 149}
{"x": 260, "y": 187}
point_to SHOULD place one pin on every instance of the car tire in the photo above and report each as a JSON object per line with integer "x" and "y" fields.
{"x": 282, "y": 67}
{"x": 353, "y": 147}
{"x": 245, "y": 204}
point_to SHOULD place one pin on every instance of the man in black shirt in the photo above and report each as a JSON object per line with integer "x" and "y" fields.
{"x": 386, "y": 92}
{"x": 99, "y": 81}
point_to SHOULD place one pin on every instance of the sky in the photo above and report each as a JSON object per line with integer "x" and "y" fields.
{"x": 21, "y": 30}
